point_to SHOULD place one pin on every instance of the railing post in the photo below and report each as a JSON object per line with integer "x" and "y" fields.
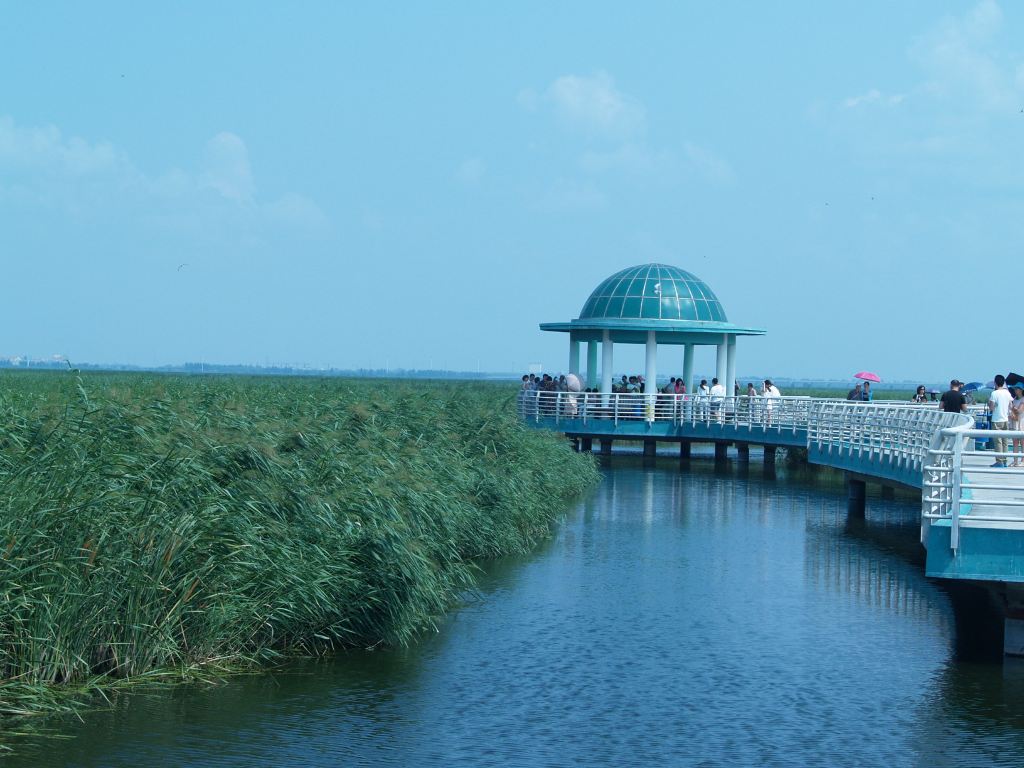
{"x": 954, "y": 528}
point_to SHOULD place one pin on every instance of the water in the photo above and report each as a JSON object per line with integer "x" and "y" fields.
{"x": 693, "y": 619}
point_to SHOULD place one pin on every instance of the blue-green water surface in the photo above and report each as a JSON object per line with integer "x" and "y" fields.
{"x": 694, "y": 618}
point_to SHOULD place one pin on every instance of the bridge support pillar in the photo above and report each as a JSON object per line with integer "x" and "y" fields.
{"x": 606, "y": 446}
{"x": 721, "y": 452}
{"x": 743, "y": 451}
{"x": 1013, "y": 636}
{"x": 856, "y": 495}
{"x": 587, "y": 444}
{"x": 769, "y": 455}
{"x": 684, "y": 450}
{"x": 650, "y": 448}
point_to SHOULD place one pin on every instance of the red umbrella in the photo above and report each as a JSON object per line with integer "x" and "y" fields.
{"x": 868, "y": 376}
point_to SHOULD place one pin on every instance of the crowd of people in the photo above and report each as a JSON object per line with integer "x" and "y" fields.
{"x": 706, "y": 402}
{"x": 543, "y": 382}
{"x": 1005, "y": 413}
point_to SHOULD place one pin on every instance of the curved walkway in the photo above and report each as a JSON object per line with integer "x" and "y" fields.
{"x": 972, "y": 517}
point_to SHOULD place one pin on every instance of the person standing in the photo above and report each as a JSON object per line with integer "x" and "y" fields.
{"x": 703, "y": 395}
{"x": 717, "y": 399}
{"x": 999, "y": 405}
{"x": 856, "y": 393}
{"x": 952, "y": 401}
{"x": 865, "y": 394}
{"x": 920, "y": 396}
{"x": 770, "y": 393}
{"x": 1016, "y": 417}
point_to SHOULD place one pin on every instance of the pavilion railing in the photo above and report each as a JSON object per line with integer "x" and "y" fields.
{"x": 776, "y": 413}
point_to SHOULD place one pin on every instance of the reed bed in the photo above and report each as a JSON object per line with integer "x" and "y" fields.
{"x": 150, "y": 524}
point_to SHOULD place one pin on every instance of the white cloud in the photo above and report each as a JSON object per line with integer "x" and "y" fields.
{"x": 594, "y": 105}
{"x": 611, "y": 126}
{"x": 226, "y": 168}
{"x": 865, "y": 98}
{"x": 962, "y": 60}
{"x": 298, "y": 212}
{"x": 874, "y": 96}
{"x": 45, "y": 149}
{"x": 41, "y": 167}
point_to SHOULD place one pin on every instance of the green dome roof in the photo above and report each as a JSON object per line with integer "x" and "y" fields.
{"x": 653, "y": 292}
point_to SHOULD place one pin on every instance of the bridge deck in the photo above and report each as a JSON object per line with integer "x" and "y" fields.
{"x": 999, "y": 489}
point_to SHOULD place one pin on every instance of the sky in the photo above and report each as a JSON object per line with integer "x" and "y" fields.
{"x": 412, "y": 185}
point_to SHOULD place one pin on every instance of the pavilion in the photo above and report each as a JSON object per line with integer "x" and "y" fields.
{"x": 652, "y": 304}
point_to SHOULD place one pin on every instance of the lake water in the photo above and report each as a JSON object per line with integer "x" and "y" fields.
{"x": 695, "y": 618}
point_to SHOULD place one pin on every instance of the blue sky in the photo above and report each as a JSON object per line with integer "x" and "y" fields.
{"x": 413, "y": 184}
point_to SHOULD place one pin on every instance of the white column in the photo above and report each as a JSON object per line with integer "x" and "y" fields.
{"x": 606, "y": 364}
{"x": 574, "y": 355}
{"x": 688, "y": 368}
{"x": 592, "y": 375}
{"x": 730, "y": 367}
{"x": 720, "y": 361}
{"x": 651, "y": 375}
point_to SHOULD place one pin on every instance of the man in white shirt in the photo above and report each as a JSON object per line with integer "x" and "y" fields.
{"x": 999, "y": 406}
{"x": 703, "y": 395}
{"x": 717, "y": 398}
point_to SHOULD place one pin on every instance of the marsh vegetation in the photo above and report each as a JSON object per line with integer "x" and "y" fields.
{"x": 156, "y": 526}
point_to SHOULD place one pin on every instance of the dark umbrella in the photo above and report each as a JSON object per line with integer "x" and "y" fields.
{"x": 1013, "y": 379}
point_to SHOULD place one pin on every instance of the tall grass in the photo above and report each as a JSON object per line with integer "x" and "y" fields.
{"x": 152, "y": 523}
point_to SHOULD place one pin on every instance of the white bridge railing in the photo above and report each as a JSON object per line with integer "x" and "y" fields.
{"x": 913, "y": 438}
{"x": 899, "y": 434}
{"x": 992, "y": 494}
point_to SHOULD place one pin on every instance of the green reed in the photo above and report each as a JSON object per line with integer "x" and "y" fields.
{"x": 156, "y": 523}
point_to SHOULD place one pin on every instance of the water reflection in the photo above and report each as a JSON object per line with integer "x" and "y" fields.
{"x": 705, "y": 617}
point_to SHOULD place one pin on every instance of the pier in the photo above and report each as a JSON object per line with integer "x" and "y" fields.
{"x": 972, "y": 514}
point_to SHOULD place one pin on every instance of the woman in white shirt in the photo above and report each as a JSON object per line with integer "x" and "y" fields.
{"x": 1016, "y": 417}
{"x": 770, "y": 393}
